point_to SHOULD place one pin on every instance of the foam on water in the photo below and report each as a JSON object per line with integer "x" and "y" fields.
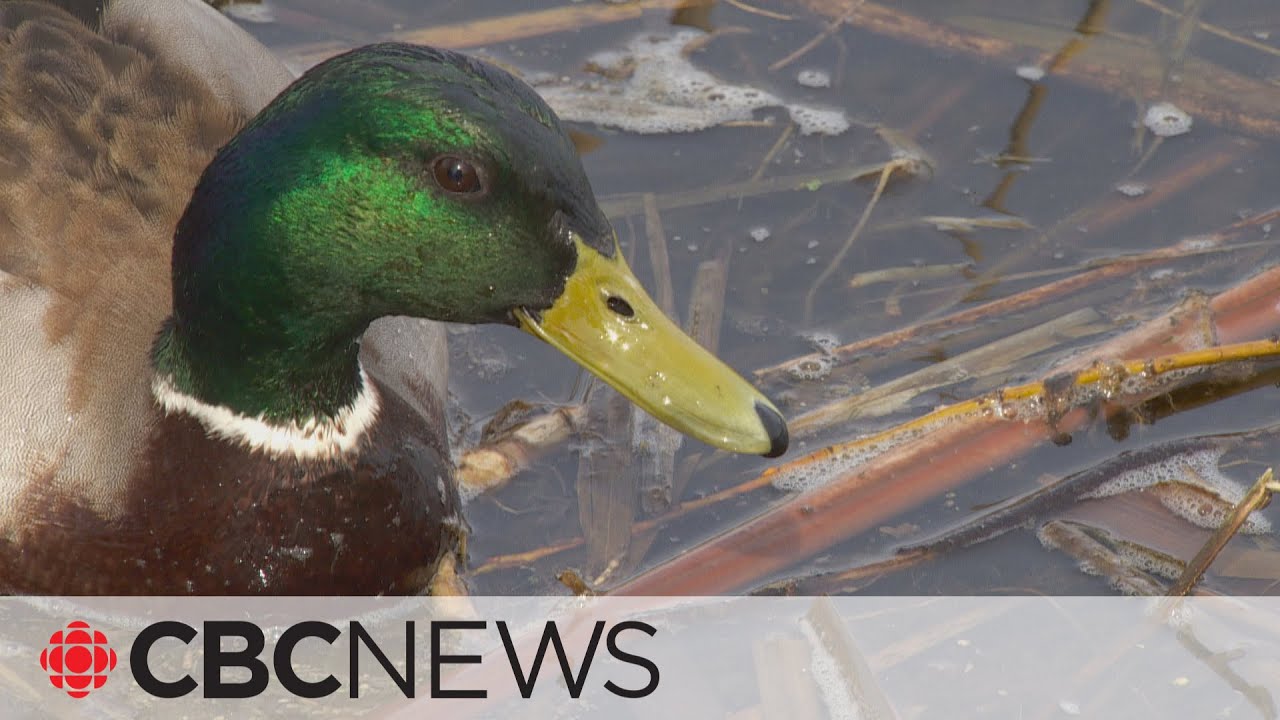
{"x": 1191, "y": 486}
{"x": 649, "y": 86}
{"x": 821, "y": 340}
{"x": 1176, "y": 468}
{"x": 818, "y": 121}
{"x": 837, "y": 695}
{"x": 819, "y": 473}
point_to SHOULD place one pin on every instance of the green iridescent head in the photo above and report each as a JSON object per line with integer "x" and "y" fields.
{"x": 358, "y": 149}
{"x": 392, "y": 180}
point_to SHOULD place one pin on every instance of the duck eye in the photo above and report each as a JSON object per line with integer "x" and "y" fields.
{"x": 455, "y": 175}
{"x": 620, "y": 306}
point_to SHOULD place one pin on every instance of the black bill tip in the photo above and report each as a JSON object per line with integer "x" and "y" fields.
{"x": 776, "y": 428}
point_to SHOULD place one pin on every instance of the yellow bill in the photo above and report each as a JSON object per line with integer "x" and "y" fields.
{"x": 608, "y": 323}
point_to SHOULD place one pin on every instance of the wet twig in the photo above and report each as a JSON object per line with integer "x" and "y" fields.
{"x": 1257, "y": 497}
{"x": 825, "y": 33}
{"x": 901, "y": 164}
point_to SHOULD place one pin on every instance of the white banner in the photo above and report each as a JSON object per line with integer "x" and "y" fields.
{"x": 792, "y": 658}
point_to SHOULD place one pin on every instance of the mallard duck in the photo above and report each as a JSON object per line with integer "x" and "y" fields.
{"x": 192, "y": 246}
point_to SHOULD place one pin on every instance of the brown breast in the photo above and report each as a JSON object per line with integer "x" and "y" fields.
{"x": 208, "y": 517}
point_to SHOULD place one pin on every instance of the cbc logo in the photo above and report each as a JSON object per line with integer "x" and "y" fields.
{"x": 78, "y": 659}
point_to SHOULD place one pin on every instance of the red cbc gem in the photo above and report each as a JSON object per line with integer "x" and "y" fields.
{"x": 78, "y": 659}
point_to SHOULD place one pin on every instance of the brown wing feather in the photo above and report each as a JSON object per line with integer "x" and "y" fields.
{"x": 101, "y": 143}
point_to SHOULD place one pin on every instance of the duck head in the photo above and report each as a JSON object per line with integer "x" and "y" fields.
{"x": 404, "y": 180}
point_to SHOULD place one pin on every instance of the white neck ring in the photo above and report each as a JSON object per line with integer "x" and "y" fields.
{"x": 321, "y": 438}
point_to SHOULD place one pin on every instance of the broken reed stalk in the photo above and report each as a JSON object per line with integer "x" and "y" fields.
{"x": 1082, "y": 543}
{"x": 1257, "y": 497}
{"x": 644, "y": 475}
{"x": 947, "y": 454}
{"x": 703, "y": 323}
{"x": 489, "y": 466}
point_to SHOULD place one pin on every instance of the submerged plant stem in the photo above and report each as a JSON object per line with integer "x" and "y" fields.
{"x": 834, "y": 265}
{"x": 619, "y": 206}
{"x": 826, "y": 32}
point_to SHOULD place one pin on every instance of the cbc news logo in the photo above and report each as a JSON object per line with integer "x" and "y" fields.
{"x": 78, "y": 659}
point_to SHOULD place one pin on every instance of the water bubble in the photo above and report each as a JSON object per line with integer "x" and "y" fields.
{"x": 1030, "y": 73}
{"x": 812, "y": 368}
{"x": 1133, "y": 189}
{"x": 1166, "y": 120}
{"x": 814, "y": 78}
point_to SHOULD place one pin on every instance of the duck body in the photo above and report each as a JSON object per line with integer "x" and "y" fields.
{"x": 220, "y": 370}
{"x": 100, "y": 167}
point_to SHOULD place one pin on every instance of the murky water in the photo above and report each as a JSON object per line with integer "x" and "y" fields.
{"x": 1030, "y": 180}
